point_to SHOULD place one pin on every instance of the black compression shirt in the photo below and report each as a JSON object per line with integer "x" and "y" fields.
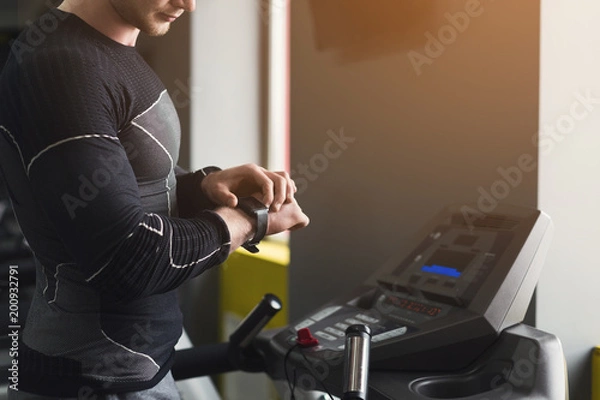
{"x": 89, "y": 141}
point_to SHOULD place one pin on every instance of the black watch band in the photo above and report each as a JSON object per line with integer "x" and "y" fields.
{"x": 260, "y": 212}
{"x": 207, "y": 170}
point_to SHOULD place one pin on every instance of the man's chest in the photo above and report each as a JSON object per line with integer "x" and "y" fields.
{"x": 151, "y": 140}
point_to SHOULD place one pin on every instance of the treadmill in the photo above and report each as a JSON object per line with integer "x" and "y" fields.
{"x": 444, "y": 321}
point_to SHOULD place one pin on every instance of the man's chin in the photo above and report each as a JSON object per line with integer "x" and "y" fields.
{"x": 157, "y": 30}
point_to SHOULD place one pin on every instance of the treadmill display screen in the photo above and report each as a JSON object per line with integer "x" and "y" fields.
{"x": 448, "y": 262}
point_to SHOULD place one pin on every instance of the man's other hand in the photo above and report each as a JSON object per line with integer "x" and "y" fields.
{"x": 224, "y": 187}
{"x": 289, "y": 217}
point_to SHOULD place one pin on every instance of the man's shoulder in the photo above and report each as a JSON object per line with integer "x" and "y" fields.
{"x": 65, "y": 41}
{"x": 54, "y": 69}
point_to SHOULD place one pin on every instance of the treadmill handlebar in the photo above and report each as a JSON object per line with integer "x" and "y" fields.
{"x": 202, "y": 361}
{"x": 255, "y": 321}
{"x": 237, "y": 354}
{"x": 240, "y": 352}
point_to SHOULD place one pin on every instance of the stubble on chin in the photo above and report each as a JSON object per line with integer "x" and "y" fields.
{"x": 147, "y": 23}
{"x": 151, "y": 25}
{"x": 157, "y": 30}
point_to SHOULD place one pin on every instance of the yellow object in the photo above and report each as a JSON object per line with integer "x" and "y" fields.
{"x": 245, "y": 279}
{"x": 596, "y": 374}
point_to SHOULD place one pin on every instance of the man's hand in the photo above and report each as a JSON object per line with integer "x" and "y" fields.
{"x": 224, "y": 187}
{"x": 289, "y": 217}
{"x": 242, "y": 227}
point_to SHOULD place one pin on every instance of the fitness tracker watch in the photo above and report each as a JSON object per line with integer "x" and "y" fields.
{"x": 207, "y": 170}
{"x": 260, "y": 212}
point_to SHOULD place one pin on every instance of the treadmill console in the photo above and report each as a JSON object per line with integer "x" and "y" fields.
{"x": 467, "y": 278}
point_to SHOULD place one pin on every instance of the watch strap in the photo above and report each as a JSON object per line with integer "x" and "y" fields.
{"x": 254, "y": 208}
{"x": 207, "y": 170}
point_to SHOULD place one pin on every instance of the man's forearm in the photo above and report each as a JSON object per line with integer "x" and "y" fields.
{"x": 241, "y": 226}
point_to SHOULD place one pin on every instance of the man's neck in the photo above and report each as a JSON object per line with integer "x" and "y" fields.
{"x": 101, "y": 15}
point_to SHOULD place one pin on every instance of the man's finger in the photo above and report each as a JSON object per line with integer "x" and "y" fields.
{"x": 267, "y": 191}
{"x": 232, "y": 201}
{"x": 280, "y": 189}
{"x": 223, "y": 196}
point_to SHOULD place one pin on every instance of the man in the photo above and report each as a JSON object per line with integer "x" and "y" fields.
{"x": 89, "y": 141}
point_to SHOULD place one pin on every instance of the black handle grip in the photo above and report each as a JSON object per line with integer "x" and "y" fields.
{"x": 202, "y": 361}
{"x": 356, "y": 362}
{"x": 255, "y": 321}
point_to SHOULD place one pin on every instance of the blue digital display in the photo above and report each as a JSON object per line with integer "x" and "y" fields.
{"x": 441, "y": 270}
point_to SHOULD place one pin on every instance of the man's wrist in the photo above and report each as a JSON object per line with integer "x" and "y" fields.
{"x": 260, "y": 214}
{"x": 242, "y": 227}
